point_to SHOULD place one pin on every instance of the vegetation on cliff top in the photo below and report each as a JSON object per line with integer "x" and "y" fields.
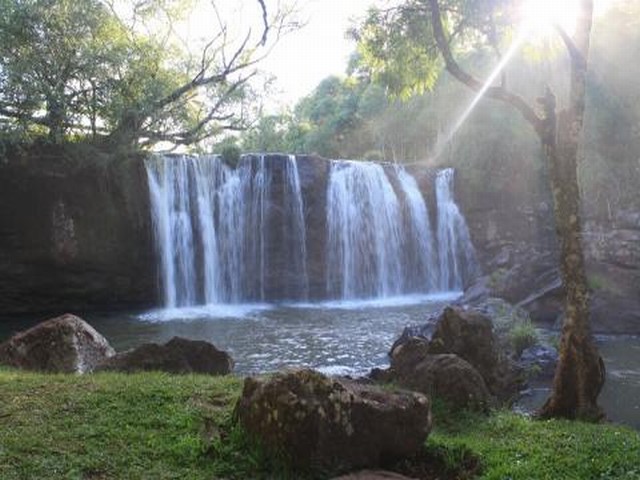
{"x": 159, "y": 426}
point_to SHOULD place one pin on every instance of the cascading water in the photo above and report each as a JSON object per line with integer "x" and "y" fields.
{"x": 233, "y": 235}
{"x": 294, "y": 228}
{"x": 420, "y": 253}
{"x": 211, "y": 226}
{"x": 364, "y": 232}
{"x": 456, "y": 252}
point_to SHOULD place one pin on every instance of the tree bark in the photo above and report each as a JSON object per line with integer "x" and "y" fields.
{"x": 579, "y": 374}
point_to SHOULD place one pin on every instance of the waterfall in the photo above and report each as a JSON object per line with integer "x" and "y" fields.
{"x": 211, "y": 225}
{"x": 294, "y": 228}
{"x": 420, "y": 253}
{"x": 232, "y": 235}
{"x": 364, "y": 232}
{"x": 456, "y": 252}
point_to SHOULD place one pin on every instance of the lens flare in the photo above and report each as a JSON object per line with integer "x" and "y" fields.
{"x": 540, "y": 17}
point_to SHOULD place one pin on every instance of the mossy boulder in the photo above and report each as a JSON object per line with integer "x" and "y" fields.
{"x": 65, "y": 344}
{"x": 446, "y": 376}
{"x": 327, "y": 424}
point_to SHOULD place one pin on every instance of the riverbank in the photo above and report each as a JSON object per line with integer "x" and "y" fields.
{"x": 159, "y": 426}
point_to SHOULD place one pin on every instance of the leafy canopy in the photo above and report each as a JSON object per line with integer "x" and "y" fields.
{"x": 115, "y": 69}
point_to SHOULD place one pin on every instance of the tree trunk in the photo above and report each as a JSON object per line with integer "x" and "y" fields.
{"x": 580, "y": 372}
{"x": 579, "y": 375}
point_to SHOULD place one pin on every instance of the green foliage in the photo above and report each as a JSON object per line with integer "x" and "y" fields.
{"x": 398, "y": 49}
{"x": 231, "y": 155}
{"x": 89, "y": 68}
{"x": 516, "y": 447}
{"x": 522, "y": 336}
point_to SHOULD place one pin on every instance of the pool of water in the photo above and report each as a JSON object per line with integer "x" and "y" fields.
{"x": 336, "y": 338}
{"x": 620, "y": 395}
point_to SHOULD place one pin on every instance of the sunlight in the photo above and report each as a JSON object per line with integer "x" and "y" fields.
{"x": 540, "y": 17}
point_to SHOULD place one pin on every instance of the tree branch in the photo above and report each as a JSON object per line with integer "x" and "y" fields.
{"x": 499, "y": 93}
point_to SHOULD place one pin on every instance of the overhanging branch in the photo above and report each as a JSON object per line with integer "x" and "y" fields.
{"x": 499, "y": 93}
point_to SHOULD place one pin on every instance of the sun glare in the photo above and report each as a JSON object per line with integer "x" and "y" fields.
{"x": 540, "y": 17}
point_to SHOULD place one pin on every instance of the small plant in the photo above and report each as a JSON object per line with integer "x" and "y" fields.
{"x": 522, "y": 336}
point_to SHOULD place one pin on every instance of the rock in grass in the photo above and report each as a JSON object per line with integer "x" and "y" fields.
{"x": 64, "y": 344}
{"x": 178, "y": 355}
{"x": 321, "y": 423}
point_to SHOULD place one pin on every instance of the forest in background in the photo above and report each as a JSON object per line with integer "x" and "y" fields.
{"x": 109, "y": 82}
{"x": 354, "y": 117}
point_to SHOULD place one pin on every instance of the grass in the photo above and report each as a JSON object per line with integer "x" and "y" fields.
{"x": 159, "y": 426}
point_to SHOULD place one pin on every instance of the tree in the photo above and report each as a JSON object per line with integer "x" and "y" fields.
{"x": 405, "y": 47}
{"x": 116, "y": 69}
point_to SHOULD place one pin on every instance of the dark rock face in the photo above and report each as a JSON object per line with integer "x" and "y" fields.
{"x": 75, "y": 233}
{"x": 64, "y": 344}
{"x": 330, "y": 424}
{"x": 178, "y": 355}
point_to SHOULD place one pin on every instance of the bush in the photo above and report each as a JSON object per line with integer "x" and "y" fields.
{"x": 231, "y": 155}
{"x": 522, "y": 336}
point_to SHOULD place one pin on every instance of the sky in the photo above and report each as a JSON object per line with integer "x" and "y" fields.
{"x": 302, "y": 58}
{"x": 319, "y": 49}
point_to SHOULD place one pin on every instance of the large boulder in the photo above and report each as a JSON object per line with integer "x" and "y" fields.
{"x": 446, "y": 376}
{"x": 469, "y": 334}
{"x": 178, "y": 355}
{"x": 328, "y": 424}
{"x": 64, "y": 344}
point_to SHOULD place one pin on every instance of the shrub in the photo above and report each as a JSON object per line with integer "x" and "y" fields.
{"x": 522, "y": 336}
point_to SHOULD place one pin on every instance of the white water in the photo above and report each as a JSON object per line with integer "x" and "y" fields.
{"x": 455, "y": 250}
{"x": 421, "y": 254}
{"x": 215, "y": 234}
{"x": 364, "y": 230}
{"x": 381, "y": 244}
{"x": 211, "y": 228}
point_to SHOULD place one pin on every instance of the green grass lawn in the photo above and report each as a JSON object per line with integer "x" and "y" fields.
{"x": 159, "y": 426}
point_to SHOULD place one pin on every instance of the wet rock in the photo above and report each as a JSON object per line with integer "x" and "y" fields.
{"x": 469, "y": 335}
{"x": 328, "y": 424}
{"x": 65, "y": 344}
{"x": 178, "y": 355}
{"x": 539, "y": 361}
{"x": 422, "y": 332}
